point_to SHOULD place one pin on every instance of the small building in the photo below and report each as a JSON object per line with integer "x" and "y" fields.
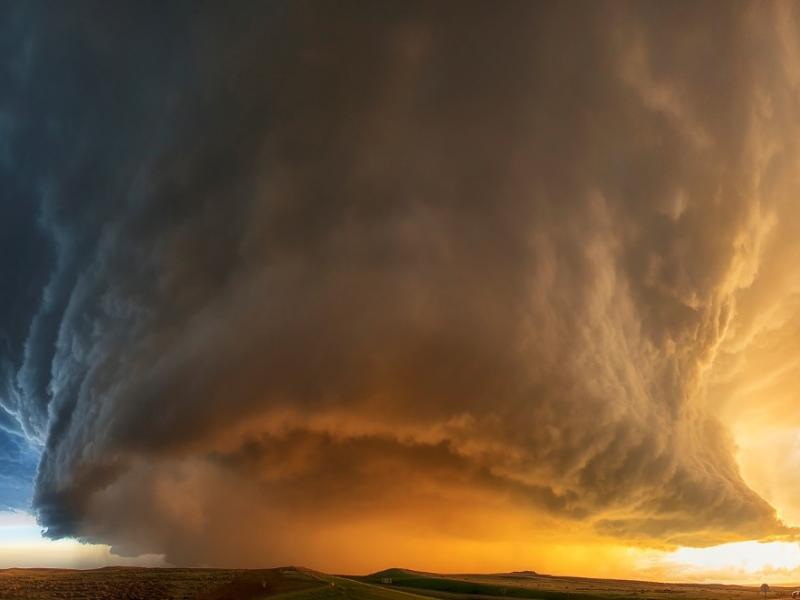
{"x": 386, "y": 580}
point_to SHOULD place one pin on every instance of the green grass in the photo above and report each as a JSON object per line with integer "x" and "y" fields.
{"x": 439, "y": 586}
{"x": 130, "y": 583}
{"x": 348, "y": 589}
{"x": 532, "y": 586}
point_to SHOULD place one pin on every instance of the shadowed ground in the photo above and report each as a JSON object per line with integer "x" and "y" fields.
{"x": 530, "y": 585}
{"x": 123, "y": 583}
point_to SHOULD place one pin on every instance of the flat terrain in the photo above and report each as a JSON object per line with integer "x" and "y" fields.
{"x": 129, "y": 583}
{"x": 529, "y": 585}
{"x": 122, "y": 583}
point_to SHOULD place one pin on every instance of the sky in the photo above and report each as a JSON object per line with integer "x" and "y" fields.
{"x": 455, "y": 286}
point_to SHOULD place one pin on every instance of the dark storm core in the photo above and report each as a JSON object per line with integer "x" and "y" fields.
{"x": 272, "y": 265}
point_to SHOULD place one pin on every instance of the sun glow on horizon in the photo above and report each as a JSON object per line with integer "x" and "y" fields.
{"x": 736, "y": 562}
{"x": 749, "y": 562}
{"x": 22, "y": 545}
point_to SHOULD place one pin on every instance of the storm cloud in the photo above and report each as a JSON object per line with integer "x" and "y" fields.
{"x": 300, "y": 267}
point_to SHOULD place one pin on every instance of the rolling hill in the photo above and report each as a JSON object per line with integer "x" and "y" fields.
{"x": 293, "y": 583}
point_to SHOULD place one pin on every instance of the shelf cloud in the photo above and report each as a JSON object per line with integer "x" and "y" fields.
{"x": 309, "y": 269}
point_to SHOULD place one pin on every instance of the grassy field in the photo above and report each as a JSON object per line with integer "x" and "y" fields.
{"x": 301, "y": 584}
{"x": 532, "y": 586}
{"x": 153, "y": 584}
{"x": 339, "y": 588}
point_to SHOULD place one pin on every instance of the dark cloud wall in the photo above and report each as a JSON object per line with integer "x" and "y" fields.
{"x": 278, "y": 265}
